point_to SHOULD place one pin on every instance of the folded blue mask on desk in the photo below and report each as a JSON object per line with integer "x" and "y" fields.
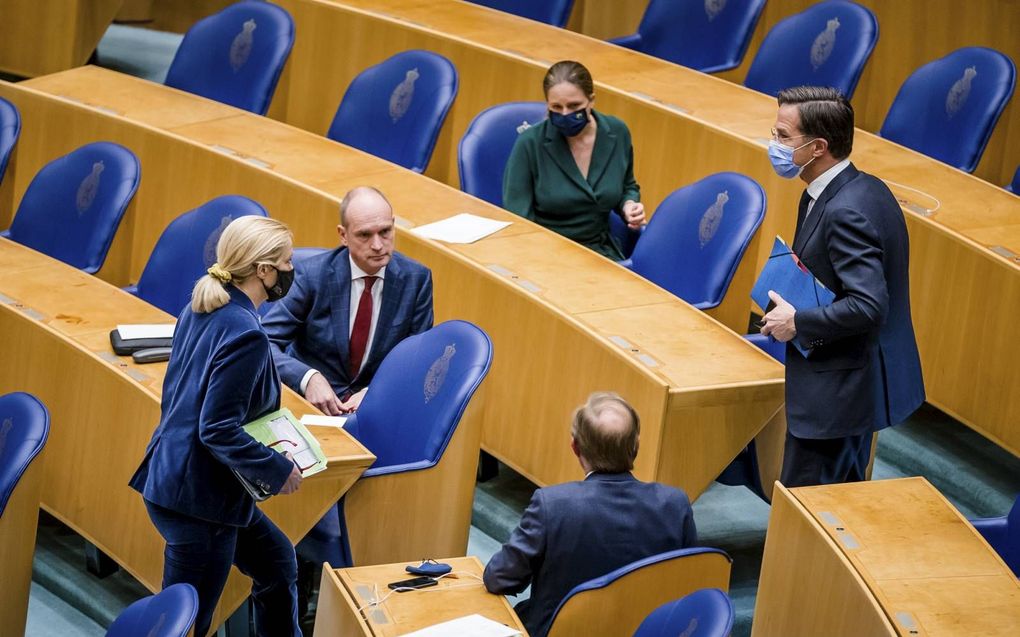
{"x": 430, "y": 568}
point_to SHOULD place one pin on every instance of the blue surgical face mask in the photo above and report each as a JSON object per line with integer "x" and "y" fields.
{"x": 570, "y": 124}
{"x": 781, "y": 157}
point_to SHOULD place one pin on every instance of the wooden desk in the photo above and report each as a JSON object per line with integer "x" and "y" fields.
{"x": 891, "y": 557}
{"x": 45, "y": 36}
{"x": 345, "y": 590}
{"x": 54, "y": 334}
{"x": 685, "y": 126}
{"x": 562, "y": 327}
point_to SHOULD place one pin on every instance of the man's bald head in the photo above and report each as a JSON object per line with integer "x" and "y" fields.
{"x": 605, "y": 432}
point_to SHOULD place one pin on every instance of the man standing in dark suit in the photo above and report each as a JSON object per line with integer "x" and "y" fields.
{"x": 862, "y": 372}
{"x": 576, "y": 531}
{"x": 348, "y": 308}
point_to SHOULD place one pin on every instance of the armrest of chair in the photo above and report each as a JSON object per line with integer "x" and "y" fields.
{"x": 627, "y": 263}
{"x": 719, "y": 68}
{"x": 632, "y": 41}
{"x": 131, "y": 289}
{"x": 705, "y": 305}
{"x": 6, "y": 234}
{"x": 992, "y": 529}
{"x": 398, "y": 468}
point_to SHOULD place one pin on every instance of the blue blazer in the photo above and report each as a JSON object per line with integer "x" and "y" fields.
{"x": 863, "y": 372}
{"x": 576, "y": 531}
{"x": 310, "y": 327}
{"x": 220, "y": 377}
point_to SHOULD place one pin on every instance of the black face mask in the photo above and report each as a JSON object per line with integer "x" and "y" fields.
{"x": 284, "y": 279}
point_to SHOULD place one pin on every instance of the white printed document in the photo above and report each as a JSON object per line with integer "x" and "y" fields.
{"x": 470, "y": 626}
{"x": 141, "y": 330}
{"x": 323, "y": 421}
{"x": 462, "y": 228}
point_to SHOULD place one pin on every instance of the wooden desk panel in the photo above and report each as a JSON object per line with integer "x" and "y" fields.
{"x": 45, "y": 36}
{"x": 687, "y": 125}
{"x": 549, "y": 357}
{"x": 104, "y": 409}
{"x": 887, "y": 557}
{"x": 344, "y": 591}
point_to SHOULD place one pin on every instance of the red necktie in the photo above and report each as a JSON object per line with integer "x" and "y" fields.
{"x": 362, "y": 325}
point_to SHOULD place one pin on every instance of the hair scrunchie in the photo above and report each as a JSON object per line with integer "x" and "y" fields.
{"x": 218, "y": 273}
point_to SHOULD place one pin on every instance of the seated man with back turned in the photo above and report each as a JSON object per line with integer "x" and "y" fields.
{"x": 348, "y": 308}
{"x": 576, "y": 531}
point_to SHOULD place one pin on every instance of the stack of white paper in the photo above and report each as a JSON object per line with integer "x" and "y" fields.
{"x": 324, "y": 421}
{"x": 462, "y": 228}
{"x": 131, "y": 332}
{"x": 470, "y": 626}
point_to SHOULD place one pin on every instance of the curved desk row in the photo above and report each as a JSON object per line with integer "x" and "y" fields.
{"x": 965, "y": 256}
{"x": 911, "y": 34}
{"x": 54, "y": 334}
{"x": 45, "y": 36}
{"x": 564, "y": 321}
{"x": 889, "y": 557}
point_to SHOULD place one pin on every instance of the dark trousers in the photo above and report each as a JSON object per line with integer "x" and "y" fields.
{"x": 808, "y": 462}
{"x": 201, "y": 553}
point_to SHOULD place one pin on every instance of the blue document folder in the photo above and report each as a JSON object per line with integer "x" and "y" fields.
{"x": 785, "y": 274}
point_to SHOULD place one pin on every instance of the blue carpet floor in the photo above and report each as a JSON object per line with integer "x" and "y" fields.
{"x": 974, "y": 474}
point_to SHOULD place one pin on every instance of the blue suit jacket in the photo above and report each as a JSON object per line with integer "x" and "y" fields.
{"x": 863, "y": 372}
{"x": 220, "y": 377}
{"x": 576, "y": 531}
{"x": 310, "y": 327}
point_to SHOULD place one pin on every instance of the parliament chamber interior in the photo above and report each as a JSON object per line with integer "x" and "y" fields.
{"x": 541, "y": 355}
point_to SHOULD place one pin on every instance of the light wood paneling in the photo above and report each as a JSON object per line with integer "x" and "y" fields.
{"x": 17, "y": 545}
{"x": 620, "y": 607}
{"x": 604, "y": 19}
{"x": 911, "y": 34}
{"x": 44, "y": 36}
{"x": 687, "y": 125}
{"x": 54, "y": 332}
{"x": 462, "y": 593}
{"x": 887, "y": 557}
{"x": 553, "y": 342}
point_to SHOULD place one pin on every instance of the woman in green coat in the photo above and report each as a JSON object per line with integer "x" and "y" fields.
{"x": 571, "y": 171}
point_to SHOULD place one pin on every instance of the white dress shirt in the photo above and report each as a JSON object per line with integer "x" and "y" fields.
{"x": 821, "y": 182}
{"x": 357, "y": 287}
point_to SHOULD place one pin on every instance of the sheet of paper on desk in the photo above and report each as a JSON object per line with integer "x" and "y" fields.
{"x": 470, "y": 626}
{"x": 462, "y": 228}
{"x": 324, "y": 421}
{"x": 139, "y": 330}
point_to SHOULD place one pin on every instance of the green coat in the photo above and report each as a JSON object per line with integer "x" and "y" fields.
{"x": 542, "y": 182}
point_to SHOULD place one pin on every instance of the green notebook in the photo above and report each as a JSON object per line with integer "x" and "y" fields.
{"x": 279, "y": 430}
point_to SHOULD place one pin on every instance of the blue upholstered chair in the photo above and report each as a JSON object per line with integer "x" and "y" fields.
{"x": 74, "y": 204}
{"x": 1014, "y": 186}
{"x": 554, "y": 12}
{"x": 415, "y": 501}
{"x": 745, "y": 470}
{"x": 10, "y": 128}
{"x": 947, "y": 109}
{"x": 186, "y": 249}
{"x": 698, "y": 234}
{"x": 706, "y": 36}
{"x": 235, "y": 56}
{"x": 169, "y": 613}
{"x": 705, "y": 613}
{"x": 827, "y": 44}
{"x": 1004, "y": 535}
{"x": 486, "y": 145}
{"x": 618, "y": 602}
{"x": 24, "y": 427}
{"x": 396, "y": 108}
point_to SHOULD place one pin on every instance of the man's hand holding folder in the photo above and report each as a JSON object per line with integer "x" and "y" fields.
{"x": 784, "y": 286}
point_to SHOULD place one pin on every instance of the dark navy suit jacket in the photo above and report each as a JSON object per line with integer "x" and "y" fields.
{"x": 863, "y": 372}
{"x": 220, "y": 377}
{"x": 310, "y": 327}
{"x": 577, "y": 531}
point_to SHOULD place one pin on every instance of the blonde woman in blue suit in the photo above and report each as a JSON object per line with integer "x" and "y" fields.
{"x": 221, "y": 376}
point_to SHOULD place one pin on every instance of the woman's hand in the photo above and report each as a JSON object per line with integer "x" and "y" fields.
{"x": 293, "y": 480}
{"x": 634, "y": 214}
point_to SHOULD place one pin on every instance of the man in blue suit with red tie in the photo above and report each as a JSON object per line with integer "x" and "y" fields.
{"x": 348, "y": 308}
{"x": 862, "y": 372}
{"x": 576, "y": 531}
